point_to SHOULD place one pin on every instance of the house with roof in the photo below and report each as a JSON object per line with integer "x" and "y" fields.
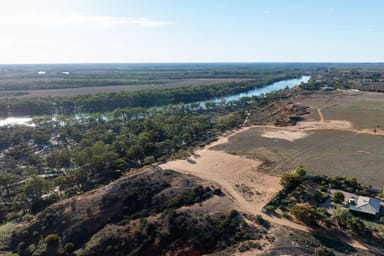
{"x": 365, "y": 205}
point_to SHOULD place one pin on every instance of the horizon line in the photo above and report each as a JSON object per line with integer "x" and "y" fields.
{"x": 200, "y": 62}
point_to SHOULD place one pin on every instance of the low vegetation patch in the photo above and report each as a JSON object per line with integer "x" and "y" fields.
{"x": 303, "y": 198}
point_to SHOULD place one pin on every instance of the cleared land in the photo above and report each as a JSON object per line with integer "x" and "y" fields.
{"x": 333, "y": 153}
{"x": 239, "y": 177}
{"x": 364, "y": 109}
{"x": 340, "y": 137}
{"x": 116, "y": 88}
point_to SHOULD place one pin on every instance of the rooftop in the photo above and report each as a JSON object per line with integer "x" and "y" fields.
{"x": 366, "y": 205}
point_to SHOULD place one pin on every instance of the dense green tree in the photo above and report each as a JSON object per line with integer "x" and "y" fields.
{"x": 290, "y": 180}
{"x": 35, "y": 186}
{"x": 338, "y": 197}
{"x": 6, "y": 179}
{"x": 305, "y": 213}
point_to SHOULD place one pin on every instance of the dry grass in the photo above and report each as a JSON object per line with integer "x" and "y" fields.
{"x": 364, "y": 109}
{"x": 333, "y": 153}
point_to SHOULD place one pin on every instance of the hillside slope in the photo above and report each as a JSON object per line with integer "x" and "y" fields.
{"x": 152, "y": 212}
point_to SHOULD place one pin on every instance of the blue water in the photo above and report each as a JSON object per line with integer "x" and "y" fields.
{"x": 258, "y": 91}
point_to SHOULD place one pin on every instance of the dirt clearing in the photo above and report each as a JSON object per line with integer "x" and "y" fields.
{"x": 284, "y": 134}
{"x": 239, "y": 178}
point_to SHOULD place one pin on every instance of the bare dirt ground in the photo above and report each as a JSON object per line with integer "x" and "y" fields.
{"x": 283, "y": 134}
{"x": 292, "y": 133}
{"x": 242, "y": 179}
{"x": 239, "y": 177}
{"x": 364, "y": 109}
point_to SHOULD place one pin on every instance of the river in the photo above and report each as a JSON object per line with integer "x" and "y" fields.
{"x": 27, "y": 121}
{"x": 266, "y": 89}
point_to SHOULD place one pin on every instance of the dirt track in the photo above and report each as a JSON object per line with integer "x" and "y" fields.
{"x": 239, "y": 177}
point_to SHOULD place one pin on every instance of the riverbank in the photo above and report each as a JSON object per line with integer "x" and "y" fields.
{"x": 288, "y": 83}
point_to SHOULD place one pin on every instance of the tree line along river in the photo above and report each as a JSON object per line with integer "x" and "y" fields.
{"x": 289, "y": 83}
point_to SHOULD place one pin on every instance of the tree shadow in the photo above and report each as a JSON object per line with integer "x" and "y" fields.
{"x": 191, "y": 161}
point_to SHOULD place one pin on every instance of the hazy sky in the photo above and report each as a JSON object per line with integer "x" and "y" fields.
{"x": 86, "y": 31}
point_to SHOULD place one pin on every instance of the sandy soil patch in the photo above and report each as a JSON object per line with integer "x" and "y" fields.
{"x": 229, "y": 171}
{"x": 284, "y": 134}
{"x": 238, "y": 177}
{"x": 324, "y": 125}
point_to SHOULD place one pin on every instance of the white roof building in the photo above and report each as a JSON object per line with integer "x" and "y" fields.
{"x": 366, "y": 205}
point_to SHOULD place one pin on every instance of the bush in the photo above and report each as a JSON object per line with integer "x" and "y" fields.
{"x": 300, "y": 171}
{"x": 338, "y": 197}
{"x": 320, "y": 197}
{"x": 69, "y": 247}
{"x": 149, "y": 160}
{"x": 27, "y": 217}
{"x": 305, "y": 213}
{"x": 31, "y": 248}
{"x": 20, "y": 246}
{"x": 285, "y": 215}
{"x": 51, "y": 239}
{"x": 270, "y": 208}
{"x": 290, "y": 180}
{"x": 320, "y": 251}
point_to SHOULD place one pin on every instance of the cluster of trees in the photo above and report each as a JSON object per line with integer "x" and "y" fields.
{"x": 97, "y": 149}
{"x": 344, "y": 220}
{"x": 298, "y": 202}
{"x": 84, "y": 151}
{"x": 290, "y": 181}
{"x": 347, "y": 184}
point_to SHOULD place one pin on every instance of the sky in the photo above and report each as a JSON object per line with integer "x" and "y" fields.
{"x": 131, "y": 31}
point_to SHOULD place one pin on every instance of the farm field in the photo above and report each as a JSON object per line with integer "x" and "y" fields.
{"x": 333, "y": 153}
{"x": 364, "y": 109}
{"x": 346, "y": 140}
{"x": 116, "y": 88}
{"x": 75, "y": 79}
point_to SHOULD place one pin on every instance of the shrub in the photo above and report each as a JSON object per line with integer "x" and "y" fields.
{"x": 290, "y": 180}
{"x": 338, "y": 197}
{"x": 270, "y": 208}
{"x": 51, "y": 239}
{"x": 320, "y": 197}
{"x": 69, "y": 247}
{"x": 305, "y": 213}
{"x": 218, "y": 192}
{"x": 300, "y": 171}
{"x": 285, "y": 215}
{"x": 27, "y": 217}
{"x": 149, "y": 160}
{"x": 20, "y": 246}
{"x": 31, "y": 248}
{"x": 320, "y": 251}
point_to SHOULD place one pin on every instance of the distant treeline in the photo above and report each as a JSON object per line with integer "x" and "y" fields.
{"x": 104, "y": 102}
{"x": 27, "y": 77}
{"x": 70, "y": 83}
